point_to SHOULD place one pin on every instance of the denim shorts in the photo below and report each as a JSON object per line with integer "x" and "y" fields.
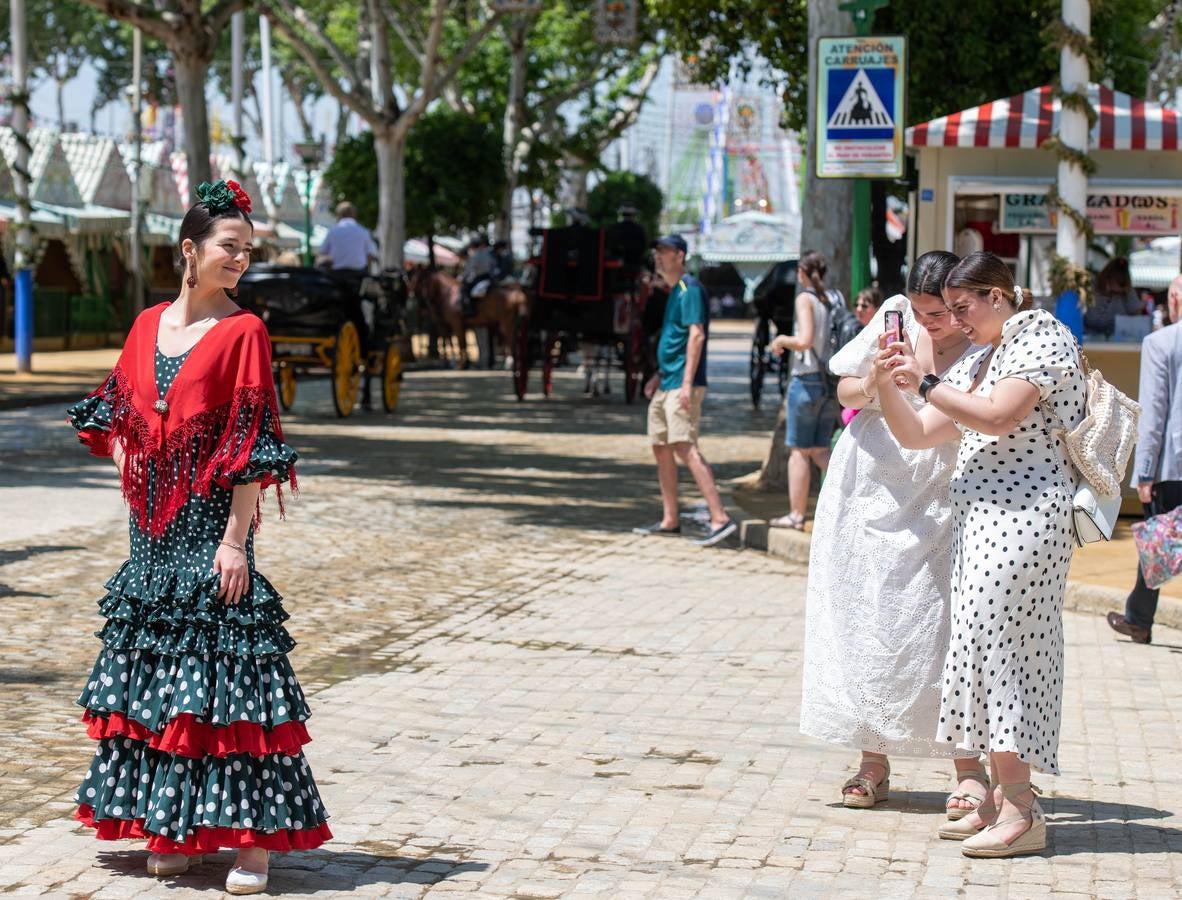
{"x": 812, "y": 412}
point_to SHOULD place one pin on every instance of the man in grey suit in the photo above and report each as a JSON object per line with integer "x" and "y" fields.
{"x": 1157, "y": 466}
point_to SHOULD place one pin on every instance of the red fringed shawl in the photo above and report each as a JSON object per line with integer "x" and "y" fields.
{"x": 202, "y": 431}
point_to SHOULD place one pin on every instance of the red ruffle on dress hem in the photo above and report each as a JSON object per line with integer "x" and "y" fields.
{"x": 185, "y": 736}
{"x": 206, "y": 840}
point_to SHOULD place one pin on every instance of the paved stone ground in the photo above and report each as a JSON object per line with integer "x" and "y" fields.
{"x": 515, "y": 697}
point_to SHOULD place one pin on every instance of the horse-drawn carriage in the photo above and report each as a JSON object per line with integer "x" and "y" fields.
{"x": 314, "y": 319}
{"x": 580, "y": 296}
{"x": 775, "y": 298}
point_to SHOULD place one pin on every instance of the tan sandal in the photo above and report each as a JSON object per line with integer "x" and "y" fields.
{"x": 874, "y": 793}
{"x": 164, "y": 865}
{"x": 956, "y": 813}
{"x": 984, "y": 845}
{"x": 796, "y": 523}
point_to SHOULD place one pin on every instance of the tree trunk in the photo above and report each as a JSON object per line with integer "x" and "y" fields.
{"x": 825, "y": 223}
{"x": 578, "y": 186}
{"x": 511, "y": 133}
{"x": 190, "y": 89}
{"x": 826, "y": 218}
{"x": 343, "y": 113}
{"x": 294, "y": 90}
{"x": 390, "y": 146}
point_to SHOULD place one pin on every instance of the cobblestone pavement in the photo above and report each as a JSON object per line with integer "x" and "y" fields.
{"x": 514, "y": 696}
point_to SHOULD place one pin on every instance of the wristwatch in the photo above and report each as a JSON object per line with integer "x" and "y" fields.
{"x": 929, "y": 382}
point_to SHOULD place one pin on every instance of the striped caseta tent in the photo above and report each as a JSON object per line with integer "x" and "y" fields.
{"x": 1026, "y": 120}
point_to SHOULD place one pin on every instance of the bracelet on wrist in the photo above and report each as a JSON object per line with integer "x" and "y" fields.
{"x": 233, "y": 546}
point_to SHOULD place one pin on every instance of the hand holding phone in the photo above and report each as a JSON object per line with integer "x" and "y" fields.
{"x": 894, "y": 325}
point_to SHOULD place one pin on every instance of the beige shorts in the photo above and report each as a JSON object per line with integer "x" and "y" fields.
{"x": 669, "y": 422}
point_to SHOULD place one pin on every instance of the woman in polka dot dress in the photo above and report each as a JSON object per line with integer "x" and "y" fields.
{"x": 1011, "y": 500}
{"x": 198, "y": 716}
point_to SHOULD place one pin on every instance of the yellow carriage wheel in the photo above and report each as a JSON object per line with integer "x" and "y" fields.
{"x": 346, "y": 369}
{"x": 392, "y": 377}
{"x": 287, "y": 387}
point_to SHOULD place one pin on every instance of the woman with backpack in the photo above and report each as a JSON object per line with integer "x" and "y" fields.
{"x": 812, "y": 402}
{"x": 877, "y": 608}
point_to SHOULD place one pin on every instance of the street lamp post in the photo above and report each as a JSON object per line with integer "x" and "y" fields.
{"x": 311, "y": 153}
{"x": 862, "y": 12}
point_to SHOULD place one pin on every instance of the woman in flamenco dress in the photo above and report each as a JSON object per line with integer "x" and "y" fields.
{"x": 197, "y": 713}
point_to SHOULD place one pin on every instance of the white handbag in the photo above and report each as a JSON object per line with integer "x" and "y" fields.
{"x": 1093, "y": 515}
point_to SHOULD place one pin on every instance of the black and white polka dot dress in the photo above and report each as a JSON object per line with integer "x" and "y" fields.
{"x": 1012, "y": 499}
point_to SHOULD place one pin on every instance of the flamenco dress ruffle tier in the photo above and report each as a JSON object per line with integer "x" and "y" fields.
{"x": 197, "y": 714}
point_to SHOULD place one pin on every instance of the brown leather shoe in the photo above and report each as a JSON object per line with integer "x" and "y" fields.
{"x": 1121, "y": 625}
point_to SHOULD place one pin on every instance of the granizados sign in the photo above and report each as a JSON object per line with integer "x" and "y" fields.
{"x": 1134, "y": 214}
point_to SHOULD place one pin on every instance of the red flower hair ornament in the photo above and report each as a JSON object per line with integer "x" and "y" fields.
{"x": 221, "y": 196}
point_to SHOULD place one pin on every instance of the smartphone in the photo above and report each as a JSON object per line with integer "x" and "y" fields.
{"x": 894, "y": 324}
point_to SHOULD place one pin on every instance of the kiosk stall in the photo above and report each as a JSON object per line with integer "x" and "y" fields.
{"x": 984, "y": 175}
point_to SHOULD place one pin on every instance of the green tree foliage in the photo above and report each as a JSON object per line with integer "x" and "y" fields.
{"x": 353, "y": 175}
{"x": 453, "y": 174}
{"x": 300, "y": 83}
{"x": 112, "y": 58}
{"x": 718, "y": 38}
{"x": 625, "y": 189}
{"x": 578, "y": 93}
{"x": 964, "y": 54}
{"x": 62, "y": 37}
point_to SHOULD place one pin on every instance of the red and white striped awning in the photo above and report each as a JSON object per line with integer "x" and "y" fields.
{"x": 1026, "y": 120}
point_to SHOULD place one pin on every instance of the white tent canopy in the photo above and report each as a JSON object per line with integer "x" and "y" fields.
{"x": 752, "y": 241}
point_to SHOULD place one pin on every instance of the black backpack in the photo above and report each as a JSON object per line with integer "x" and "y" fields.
{"x": 843, "y": 324}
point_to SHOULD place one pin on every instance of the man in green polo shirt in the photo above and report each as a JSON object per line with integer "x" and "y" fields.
{"x": 676, "y": 393}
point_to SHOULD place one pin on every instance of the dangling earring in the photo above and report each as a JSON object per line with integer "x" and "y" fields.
{"x": 233, "y": 292}
{"x": 191, "y": 281}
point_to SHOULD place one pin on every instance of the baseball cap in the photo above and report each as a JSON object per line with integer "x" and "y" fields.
{"x": 674, "y": 241}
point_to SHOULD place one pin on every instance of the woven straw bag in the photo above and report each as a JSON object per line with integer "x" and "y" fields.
{"x": 1101, "y": 444}
{"x": 1099, "y": 448}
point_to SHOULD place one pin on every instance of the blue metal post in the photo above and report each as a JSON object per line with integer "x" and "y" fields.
{"x": 23, "y": 324}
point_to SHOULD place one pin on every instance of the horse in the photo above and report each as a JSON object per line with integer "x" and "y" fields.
{"x": 497, "y": 310}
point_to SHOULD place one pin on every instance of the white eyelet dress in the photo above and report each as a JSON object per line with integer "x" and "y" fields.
{"x": 1011, "y": 500}
{"x": 876, "y": 613}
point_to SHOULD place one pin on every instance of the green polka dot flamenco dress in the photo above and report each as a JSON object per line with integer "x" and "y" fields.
{"x": 197, "y": 714}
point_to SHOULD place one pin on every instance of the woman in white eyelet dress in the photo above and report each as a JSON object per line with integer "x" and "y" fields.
{"x": 877, "y": 616}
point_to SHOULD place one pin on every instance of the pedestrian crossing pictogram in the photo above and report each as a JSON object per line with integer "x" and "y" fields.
{"x": 860, "y": 106}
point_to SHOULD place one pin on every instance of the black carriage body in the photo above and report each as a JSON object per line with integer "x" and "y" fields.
{"x": 301, "y": 302}
{"x": 310, "y": 316}
{"x": 775, "y": 296}
{"x": 580, "y": 295}
{"x": 578, "y": 287}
